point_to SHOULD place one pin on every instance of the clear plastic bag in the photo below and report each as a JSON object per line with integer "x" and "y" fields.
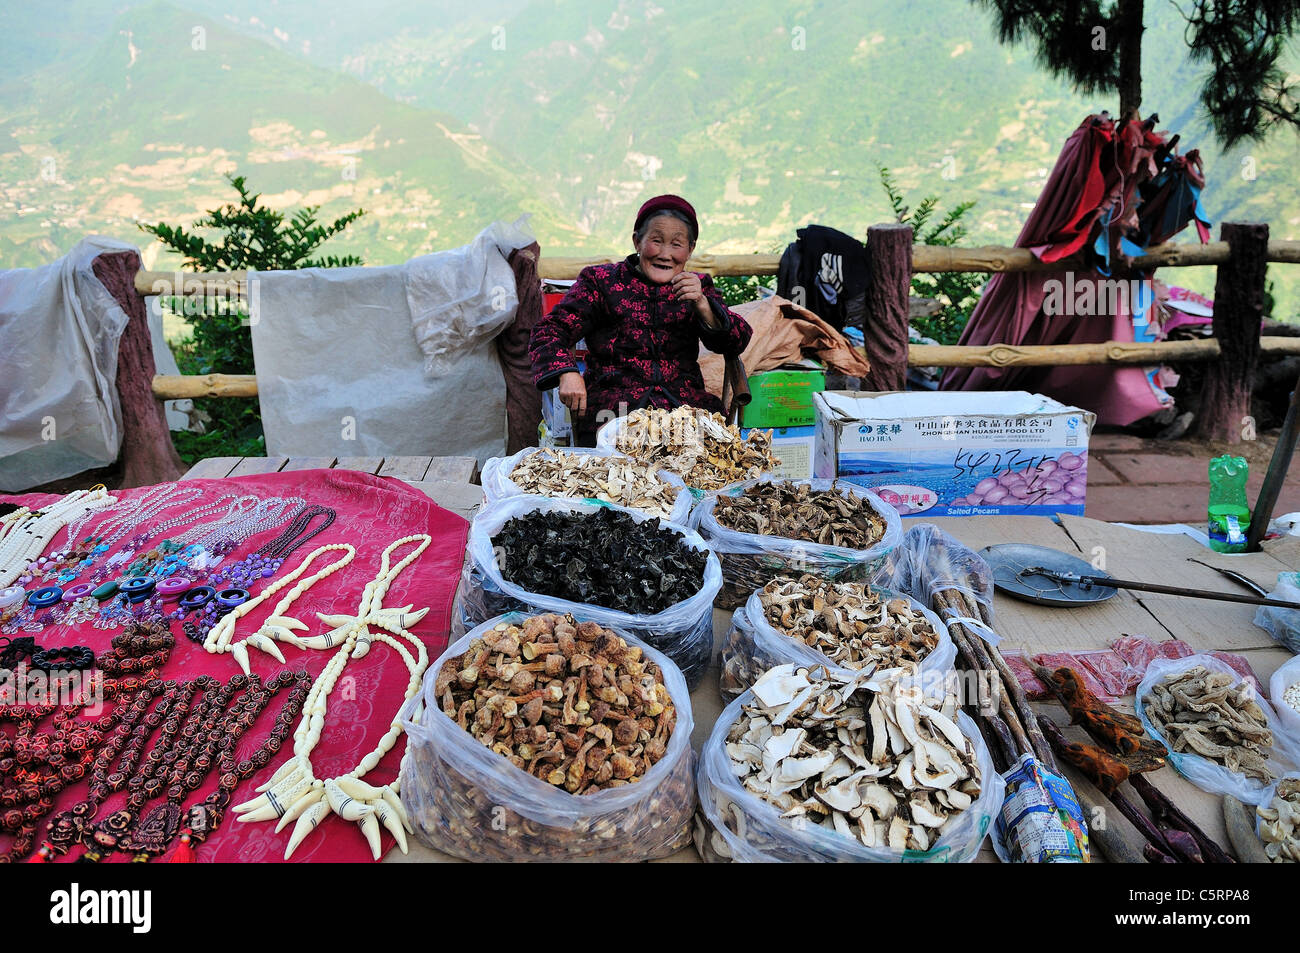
{"x": 1284, "y": 677}
{"x": 750, "y": 561}
{"x": 465, "y": 799}
{"x": 497, "y": 483}
{"x": 1283, "y": 624}
{"x": 1206, "y": 774}
{"x": 736, "y": 825}
{"x": 683, "y": 632}
{"x": 752, "y": 646}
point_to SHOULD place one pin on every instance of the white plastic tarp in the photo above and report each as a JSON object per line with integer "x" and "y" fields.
{"x": 59, "y": 334}
{"x": 339, "y": 369}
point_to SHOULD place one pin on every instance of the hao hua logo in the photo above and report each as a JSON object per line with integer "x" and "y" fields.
{"x": 75, "y": 906}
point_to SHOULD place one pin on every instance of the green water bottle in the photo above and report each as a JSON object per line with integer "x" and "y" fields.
{"x": 1229, "y": 513}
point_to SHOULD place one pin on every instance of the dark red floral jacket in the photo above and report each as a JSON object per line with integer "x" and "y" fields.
{"x": 643, "y": 346}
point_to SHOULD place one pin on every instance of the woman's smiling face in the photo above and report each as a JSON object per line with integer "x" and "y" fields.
{"x": 664, "y": 248}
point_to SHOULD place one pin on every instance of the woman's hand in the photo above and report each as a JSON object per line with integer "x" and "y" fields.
{"x": 686, "y": 285}
{"x": 573, "y": 393}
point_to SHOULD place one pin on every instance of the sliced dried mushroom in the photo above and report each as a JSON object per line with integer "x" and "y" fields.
{"x": 701, "y": 447}
{"x": 848, "y": 622}
{"x": 570, "y": 703}
{"x": 617, "y": 479}
{"x": 1279, "y": 823}
{"x": 797, "y": 511}
{"x": 866, "y": 756}
{"x": 1203, "y": 712}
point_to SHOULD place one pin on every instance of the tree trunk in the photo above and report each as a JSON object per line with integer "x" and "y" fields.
{"x": 889, "y": 250}
{"x": 147, "y": 453}
{"x": 1238, "y": 309}
{"x": 1130, "y": 58}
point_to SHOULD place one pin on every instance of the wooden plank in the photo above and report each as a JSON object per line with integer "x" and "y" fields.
{"x": 409, "y": 469}
{"x": 453, "y": 469}
{"x": 212, "y": 468}
{"x": 252, "y": 466}
{"x": 363, "y": 464}
{"x": 308, "y": 463}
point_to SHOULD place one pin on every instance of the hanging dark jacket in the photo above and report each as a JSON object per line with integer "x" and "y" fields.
{"x": 826, "y": 271}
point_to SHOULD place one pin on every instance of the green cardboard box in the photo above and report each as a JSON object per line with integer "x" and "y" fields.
{"x": 784, "y": 397}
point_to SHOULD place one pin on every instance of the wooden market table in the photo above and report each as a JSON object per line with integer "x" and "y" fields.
{"x": 410, "y": 469}
{"x": 1032, "y": 629}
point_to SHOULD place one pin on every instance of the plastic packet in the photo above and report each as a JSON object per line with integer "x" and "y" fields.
{"x": 1206, "y": 774}
{"x": 736, "y": 825}
{"x": 497, "y": 483}
{"x": 750, "y": 560}
{"x": 465, "y": 799}
{"x": 753, "y": 645}
{"x": 1041, "y": 821}
{"x": 683, "y": 632}
{"x": 1284, "y": 678}
{"x": 1283, "y": 624}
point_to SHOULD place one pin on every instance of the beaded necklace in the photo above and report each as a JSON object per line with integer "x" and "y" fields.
{"x": 294, "y": 792}
{"x": 27, "y": 536}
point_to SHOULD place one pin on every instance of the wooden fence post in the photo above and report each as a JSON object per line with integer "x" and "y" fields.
{"x": 147, "y": 453}
{"x": 1238, "y": 310}
{"x": 889, "y": 250}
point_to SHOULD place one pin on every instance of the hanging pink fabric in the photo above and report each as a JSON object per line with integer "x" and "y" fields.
{"x": 1092, "y": 189}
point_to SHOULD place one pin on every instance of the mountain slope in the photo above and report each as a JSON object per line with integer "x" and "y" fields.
{"x": 147, "y": 124}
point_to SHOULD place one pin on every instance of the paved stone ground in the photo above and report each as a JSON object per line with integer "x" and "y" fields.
{"x": 1132, "y": 480}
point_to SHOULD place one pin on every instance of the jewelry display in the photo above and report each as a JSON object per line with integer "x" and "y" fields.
{"x": 294, "y": 793}
{"x": 27, "y": 534}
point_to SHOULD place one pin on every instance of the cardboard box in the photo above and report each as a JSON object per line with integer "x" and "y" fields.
{"x": 784, "y": 397}
{"x": 796, "y": 446}
{"x": 960, "y": 453}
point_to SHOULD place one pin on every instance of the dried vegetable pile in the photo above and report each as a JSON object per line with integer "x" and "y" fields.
{"x": 617, "y": 479}
{"x": 849, "y": 623}
{"x": 569, "y": 702}
{"x": 604, "y": 558}
{"x": 1279, "y": 823}
{"x": 1202, "y": 712}
{"x": 797, "y": 511}
{"x": 871, "y": 759}
{"x": 706, "y": 451}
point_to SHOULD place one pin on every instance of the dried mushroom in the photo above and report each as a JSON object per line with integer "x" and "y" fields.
{"x": 867, "y": 757}
{"x": 569, "y": 702}
{"x": 616, "y": 479}
{"x": 605, "y": 558}
{"x": 1279, "y": 823}
{"x": 849, "y": 623}
{"x": 702, "y": 448}
{"x": 797, "y": 511}
{"x": 1202, "y": 712}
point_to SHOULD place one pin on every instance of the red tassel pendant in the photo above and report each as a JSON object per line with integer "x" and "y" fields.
{"x": 184, "y": 853}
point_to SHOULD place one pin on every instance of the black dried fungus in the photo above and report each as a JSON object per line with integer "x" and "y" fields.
{"x": 605, "y": 558}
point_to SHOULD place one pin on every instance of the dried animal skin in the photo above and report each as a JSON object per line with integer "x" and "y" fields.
{"x": 849, "y": 623}
{"x": 1279, "y": 823}
{"x": 1202, "y": 712}
{"x": 702, "y": 448}
{"x": 570, "y": 703}
{"x": 797, "y": 511}
{"x": 867, "y": 757}
{"x": 621, "y": 480}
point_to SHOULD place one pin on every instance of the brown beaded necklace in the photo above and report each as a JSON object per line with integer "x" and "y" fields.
{"x": 36, "y": 766}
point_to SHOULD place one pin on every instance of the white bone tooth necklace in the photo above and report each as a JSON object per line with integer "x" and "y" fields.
{"x": 294, "y": 793}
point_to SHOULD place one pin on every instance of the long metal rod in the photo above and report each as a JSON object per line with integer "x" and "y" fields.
{"x": 1277, "y": 469}
{"x": 1107, "y": 582}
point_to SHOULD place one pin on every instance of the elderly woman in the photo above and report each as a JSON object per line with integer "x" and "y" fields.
{"x": 643, "y": 320}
